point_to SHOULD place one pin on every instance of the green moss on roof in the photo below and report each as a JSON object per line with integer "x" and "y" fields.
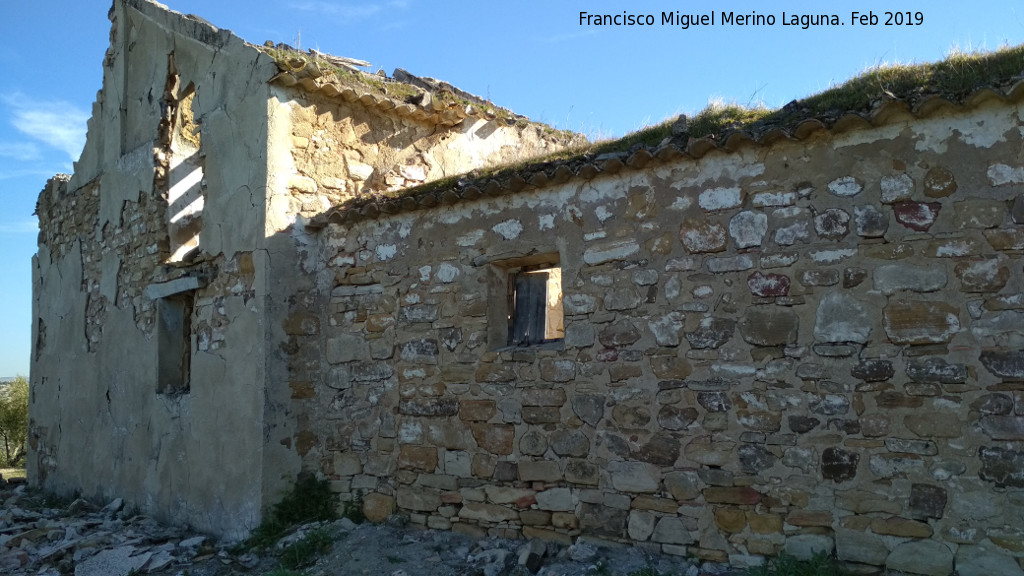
{"x": 955, "y": 78}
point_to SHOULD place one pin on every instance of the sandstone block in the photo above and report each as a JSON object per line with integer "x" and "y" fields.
{"x": 731, "y": 495}
{"x": 805, "y": 546}
{"x": 634, "y": 477}
{"x": 841, "y": 318}
{"x": 769, "y": 326}
{"x": 377, "y": 507}
{"x": 572, "y": 443}
{"x": 540, "y": 471}
{"x": 902, "y": 527}
{"x": 768, "y": 285}
{"x": 893, "y": 278}
{"x": 487, "y": 512}
{"x": 601, "y": 519}
{"x": 672, "y": 530}
{"x": 832, "y": 224}
{"x": 422, "y": 458}
{"x": 932, "y": 425}
{"x": 985, "y": 561}
{"x": 619, "y": 334}
{"x": 920, "y": 322}
{"x": 494, "y": 438}
{"x": 1004, "y": 363}
{"x": 939, "y": 182}
{"x": 418, "y": 499}
{"x": 640, "y": 525}
{"x": 839, "y": 465}
{"x": 683, "y": 485}
{"x": 856, "y": 546}
{"x": 711, "y": 333}
{"x": 702, "y": 236}
{"x": 917, "y": 216}
{"x": 748, "y": 228}
{"x": 589, "y": 407}
{"x": 927, "y": 557}
{"x": 477, "y": 410}
{"x": 870, "y": 221}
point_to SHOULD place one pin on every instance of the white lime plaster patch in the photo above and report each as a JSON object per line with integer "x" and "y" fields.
{"x": 386, "y": 251}
{"x": 447, "y": 273}
{"x": 509, "y": 229}
{"x": 720, "y": 198}
{"x": 830, "y": 256}
{"x": 469, "y": 238}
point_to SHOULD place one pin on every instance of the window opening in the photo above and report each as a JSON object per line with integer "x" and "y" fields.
{"x": 535, "y": 305}
{"x": 174, "y": 343}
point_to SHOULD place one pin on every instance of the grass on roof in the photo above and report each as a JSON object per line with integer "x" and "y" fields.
{"x": 960, "y": 74}
{"x": 954, "y": 78}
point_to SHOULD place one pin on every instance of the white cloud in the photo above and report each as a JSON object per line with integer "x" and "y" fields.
{"x": 26, "y": 226}
{"x": 56, "y": 123}
{"x": 20, "y": 151}
{"x": 350, "y": 11}
{"x": 343, "y": 11}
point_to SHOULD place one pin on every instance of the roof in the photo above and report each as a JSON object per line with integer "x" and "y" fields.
{"x": 402, "y": 94}
{"x": 589, "y": 166}
{"x": 881, "y": 96}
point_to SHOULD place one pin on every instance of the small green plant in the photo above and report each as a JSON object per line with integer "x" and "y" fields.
{"x": 310, "y": 500}
{"x": 304, "y": 552}
{"x": 353, "y": 509}
{"x": 395, "y": 559}
{"x": 821, "y": 564}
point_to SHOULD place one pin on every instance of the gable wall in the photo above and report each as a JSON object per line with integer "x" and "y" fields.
{"x": 100, "y": 426}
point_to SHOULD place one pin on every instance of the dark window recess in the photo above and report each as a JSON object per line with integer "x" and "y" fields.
{"x": 535, "y": 306}
{"x": 174, "y": 343}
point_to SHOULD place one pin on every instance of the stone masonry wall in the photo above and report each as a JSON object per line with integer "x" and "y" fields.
{"x": 812, "y": 345}
{"x": 323, "y": 151}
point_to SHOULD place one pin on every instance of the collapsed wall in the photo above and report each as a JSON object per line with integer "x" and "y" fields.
{"x": 798, "y": 344}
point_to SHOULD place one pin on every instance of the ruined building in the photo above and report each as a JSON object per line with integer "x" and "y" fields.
{"x": 802, "y": 338}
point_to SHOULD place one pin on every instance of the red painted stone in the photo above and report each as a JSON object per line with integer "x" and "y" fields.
{"x": 767, "y": 285}
{"x": 917, "y": 215}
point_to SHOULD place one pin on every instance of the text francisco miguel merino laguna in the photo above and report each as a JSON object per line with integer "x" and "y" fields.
{"x": 752, "y": 19}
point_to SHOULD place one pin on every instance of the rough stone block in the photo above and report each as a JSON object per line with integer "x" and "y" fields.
{"x": 985, "y": 561}
{"x": 805, "y": 546}
{"x": 748, "y": 228}
{"x": 841, "y": 318}
{"x": 540, "y": 471}
{"x": 920, "y": 322}
{"x": 839, "y": 465}
{"x": 856, "y": 546}
{"x": 494, "y": 438}
{"x": 769, "y": 326}
{"x": 702, "y": 236}
{"x": 927, "y": 557}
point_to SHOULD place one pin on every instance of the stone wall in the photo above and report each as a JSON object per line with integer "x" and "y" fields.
{"x": 807, "y": 345}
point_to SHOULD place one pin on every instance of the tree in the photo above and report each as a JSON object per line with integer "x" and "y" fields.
{"x": 14, "y": 420}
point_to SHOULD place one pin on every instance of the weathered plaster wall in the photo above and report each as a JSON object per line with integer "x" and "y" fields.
{"x": 99, "y": 426}
{"x": 807, "y": 346}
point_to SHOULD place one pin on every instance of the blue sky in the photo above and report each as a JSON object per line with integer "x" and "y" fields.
{"x": 530, "y": 56}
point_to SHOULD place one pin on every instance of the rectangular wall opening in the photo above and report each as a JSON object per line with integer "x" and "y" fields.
{"x": 174, "y": 343}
